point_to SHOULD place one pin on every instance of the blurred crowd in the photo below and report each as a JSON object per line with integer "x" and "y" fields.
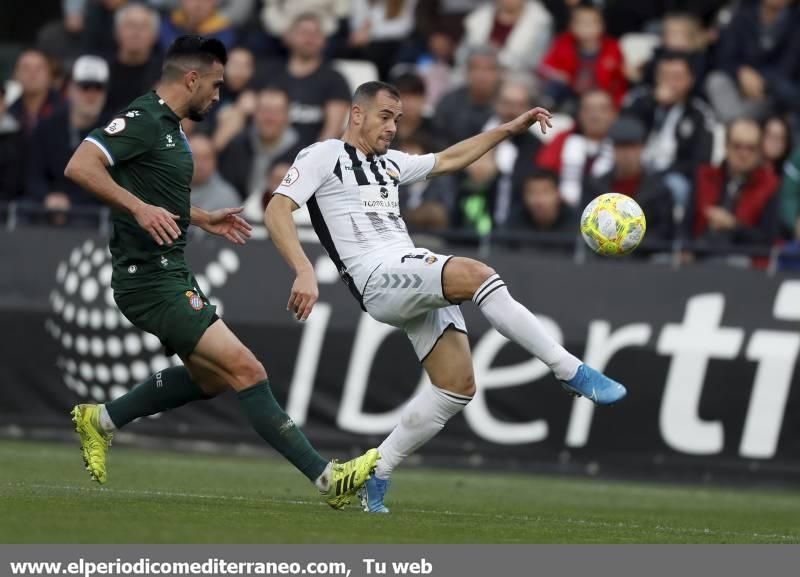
{"x": 689, "y": 107}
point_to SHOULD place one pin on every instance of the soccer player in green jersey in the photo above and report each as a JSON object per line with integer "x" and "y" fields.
{"x": 141, "y": 165}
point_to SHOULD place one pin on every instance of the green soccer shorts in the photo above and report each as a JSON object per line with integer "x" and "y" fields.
{"x": 172, "y": 307}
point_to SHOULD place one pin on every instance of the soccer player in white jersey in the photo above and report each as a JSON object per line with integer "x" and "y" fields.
{"x": 351, "y": 189}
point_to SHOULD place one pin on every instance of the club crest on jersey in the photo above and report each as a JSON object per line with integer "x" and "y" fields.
{"x": 132, "y": 113}
{"x": 194, "y": 300}
{"x": 115, "y": 126}
{"x": 291, "y": 177}
{"x": 430, "y": 259}
{"x": 393, "y": 173}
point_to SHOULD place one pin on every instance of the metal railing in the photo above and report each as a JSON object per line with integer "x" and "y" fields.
{"x": 672, "y": 253}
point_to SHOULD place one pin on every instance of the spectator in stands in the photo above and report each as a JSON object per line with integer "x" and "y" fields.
{"x": 319, "y": 95}
{"x": 12, "y": 152}
{"x": 237, "y": 102}
{"x": 758, "y": 56}
{"x": 277, "y": 16}
{"x": 201, "y": 17}
{"x": 544, "y": 210}
{"x": 790, "y": 197}
{"x": 136, "y": 66}
{"x": 414, "y": 124}
{"x": 586, "y": 150}
{"x": 630, "y": 177}
{"x": 475, "y": 196}
{"x": 681, "y": 33}
{"x": 514, "y": 156}
{"x": 583, "y": 58}
{"x": 99, "y": 29}
{"x": 425, "y": 204}
{"x": 377, "y": 30}
{"x": 237, "y": 12}
{"x": 736, "y": 203}
{"x": 62, "y": 39}
{"x": 777, "y": 142}
{"x": 209, "y": 190}
{"x": 680, "y": 126}
{"x": 520, "y": 30}
{"x": 463, "y": 112}
{"x": 56, "y": 138}
{"x": 38, "y": 100}
{"x": 246, "y": 161}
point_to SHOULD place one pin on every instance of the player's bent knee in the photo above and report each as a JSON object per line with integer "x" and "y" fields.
{"x": 478, "y": 272}
{"x": 247, "y": 370}
{"x": 460, "y": 385}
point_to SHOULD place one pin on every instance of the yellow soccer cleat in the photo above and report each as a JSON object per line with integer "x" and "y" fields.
{"x": 94, "y": 441}
{"x": 347, "y": 478}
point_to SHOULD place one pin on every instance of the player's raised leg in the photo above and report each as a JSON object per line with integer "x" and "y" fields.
{"x": 468, "y": 279}
{"x": 449, "y": 366}
{"x": 220, "y": 352}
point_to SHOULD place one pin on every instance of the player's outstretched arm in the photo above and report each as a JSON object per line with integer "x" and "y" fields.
{"x": 279, "y": 222}
{"x": 224, "y": 222}
{"x": 464, "y": 153}
{"x": 88, "y": 168}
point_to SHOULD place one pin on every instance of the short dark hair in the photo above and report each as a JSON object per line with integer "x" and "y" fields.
{"x": 675, "y": 56}
{"x": 369, "y": 90}
{"x": 537, "y": 173}
{"x": 192, "y": 51}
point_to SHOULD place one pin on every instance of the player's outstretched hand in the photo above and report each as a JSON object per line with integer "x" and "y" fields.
{"x": 160, "y": 223}
{"x": 524, "y": 121}
{"x": 227, "y": 223}
{"x": 305, "y": 293}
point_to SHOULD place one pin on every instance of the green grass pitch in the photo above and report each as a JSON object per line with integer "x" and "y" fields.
{"x": 169, "y": 497}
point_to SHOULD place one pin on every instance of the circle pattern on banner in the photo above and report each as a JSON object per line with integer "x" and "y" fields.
{"x": 102, "y": 355}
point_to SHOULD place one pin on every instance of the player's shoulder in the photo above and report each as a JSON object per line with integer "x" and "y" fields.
{"x": 138, "y": 115}
{"x": 321, "y": 151}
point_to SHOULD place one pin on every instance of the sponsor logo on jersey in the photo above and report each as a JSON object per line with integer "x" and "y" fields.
{"x": 133, "y": 113}
{"x": 115, "y": 126}
{"x": 132, "y": 269}
{"x": 170, "y": 142}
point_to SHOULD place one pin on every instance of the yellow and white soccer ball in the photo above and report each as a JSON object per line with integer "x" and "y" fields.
{"x": 613, "y": 224}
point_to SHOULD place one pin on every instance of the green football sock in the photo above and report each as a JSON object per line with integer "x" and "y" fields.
{"x": 277, "y": 428}
{"x": 165, "y": 390}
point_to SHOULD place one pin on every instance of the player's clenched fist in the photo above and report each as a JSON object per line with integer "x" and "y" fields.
{"x": 160, "y": 223}
{"x": 305, "y": 293}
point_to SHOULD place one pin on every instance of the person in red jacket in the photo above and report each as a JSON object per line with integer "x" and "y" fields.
{"x": 582, "y": 59}
{"x": 735, "y": 202}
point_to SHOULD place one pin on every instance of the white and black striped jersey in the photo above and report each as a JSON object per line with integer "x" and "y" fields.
{"x": 354, "y": 204}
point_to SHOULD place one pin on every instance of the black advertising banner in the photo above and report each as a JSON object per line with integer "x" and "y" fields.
{"x": 708, "y": 353}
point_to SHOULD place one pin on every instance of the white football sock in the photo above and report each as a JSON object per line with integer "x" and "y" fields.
{"x": 518, "y": 324}
{"x": 423, "y": 417}
{"x": 323, "y": 482}
{"x": 105, "y": 421}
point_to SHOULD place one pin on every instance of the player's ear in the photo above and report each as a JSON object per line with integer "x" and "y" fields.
{"x": 192, "y": 79}
{"x": 356, "y": 114}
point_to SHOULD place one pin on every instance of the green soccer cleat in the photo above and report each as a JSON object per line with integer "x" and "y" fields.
{"x": 347, "y": 478}
{"x": 94, "y": 441}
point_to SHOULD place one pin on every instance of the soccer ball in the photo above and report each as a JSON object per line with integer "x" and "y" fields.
{"x": 613, "y": 224}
